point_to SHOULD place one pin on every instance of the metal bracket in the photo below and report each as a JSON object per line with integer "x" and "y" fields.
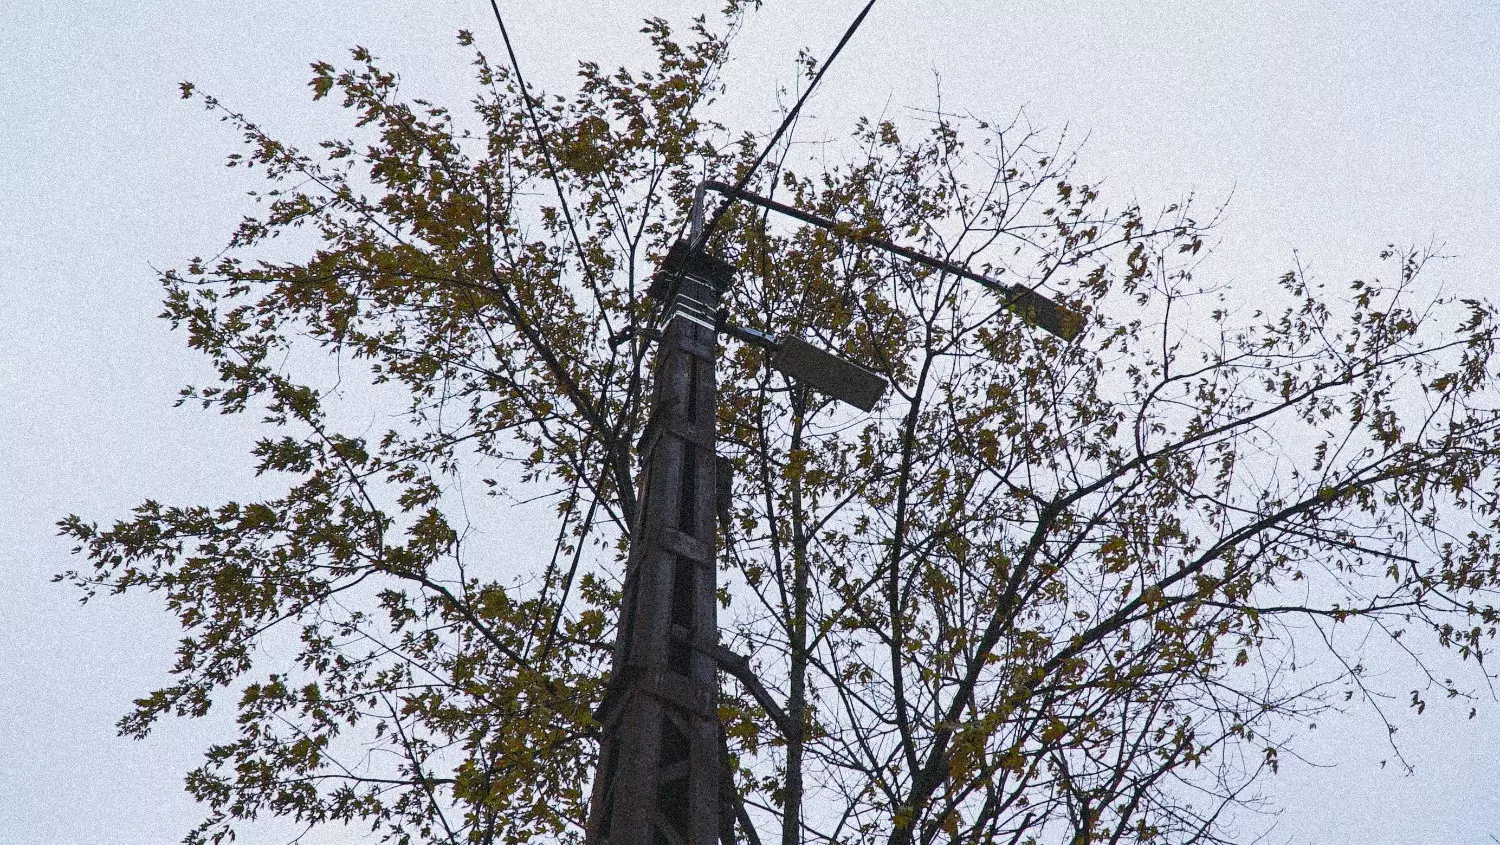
{"x": 755, "y": 337}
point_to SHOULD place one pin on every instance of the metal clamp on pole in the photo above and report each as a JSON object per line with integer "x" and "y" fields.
{"x": 689, "y": 284}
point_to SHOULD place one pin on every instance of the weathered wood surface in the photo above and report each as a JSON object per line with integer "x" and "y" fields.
{"x": 661, "y": 775}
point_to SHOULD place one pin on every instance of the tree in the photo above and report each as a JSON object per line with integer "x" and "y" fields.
{"x": 1046, "y": 592}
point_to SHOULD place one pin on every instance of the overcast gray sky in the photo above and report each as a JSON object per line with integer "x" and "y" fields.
{"x": 1337, "y": 127}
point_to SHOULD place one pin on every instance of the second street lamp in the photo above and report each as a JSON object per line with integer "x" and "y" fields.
{"x": 1034, "y": 308}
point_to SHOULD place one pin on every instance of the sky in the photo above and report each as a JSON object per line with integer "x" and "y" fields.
{"x": 1327, "y": 130}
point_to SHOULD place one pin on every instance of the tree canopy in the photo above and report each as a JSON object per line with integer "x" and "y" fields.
{"x": 1045, "y": 592}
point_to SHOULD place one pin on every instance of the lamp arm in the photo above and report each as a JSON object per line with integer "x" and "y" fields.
{"x": 1040, "y": 310}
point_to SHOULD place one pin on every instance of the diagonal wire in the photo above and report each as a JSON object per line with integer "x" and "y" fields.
{"x": 541, "y": 138}
{"x": 786, "y": 123}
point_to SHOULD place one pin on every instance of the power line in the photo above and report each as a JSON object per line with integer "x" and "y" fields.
{"x": 541, "y": 138}
{"x": 702, "y": 237}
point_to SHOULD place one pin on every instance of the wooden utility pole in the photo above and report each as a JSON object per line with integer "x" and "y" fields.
{"x": 661, "y": 766}
{"x": 662, "y": 777}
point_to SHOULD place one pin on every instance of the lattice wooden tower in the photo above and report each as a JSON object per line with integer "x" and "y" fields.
{"x": 661, "y": 765}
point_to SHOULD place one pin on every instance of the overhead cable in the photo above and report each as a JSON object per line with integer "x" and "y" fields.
{"x": 541, "y": 138}
{"x": 701, "y": 238}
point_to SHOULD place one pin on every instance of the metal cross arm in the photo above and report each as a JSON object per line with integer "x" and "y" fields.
{"x": 1033, "y": 307}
